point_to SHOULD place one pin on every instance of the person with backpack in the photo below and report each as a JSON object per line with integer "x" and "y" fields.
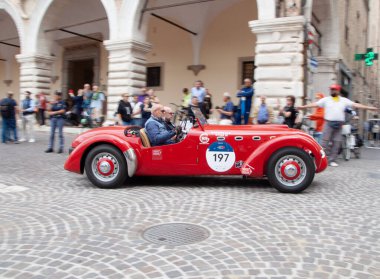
{"x": 27, "y": 116}
{"x": 8, "y": 108}
{"x": 124, "y": 110}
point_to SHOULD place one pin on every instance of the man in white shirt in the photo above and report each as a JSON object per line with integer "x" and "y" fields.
{"x": 136, "y": 110}
{"x": 335, "y": 107}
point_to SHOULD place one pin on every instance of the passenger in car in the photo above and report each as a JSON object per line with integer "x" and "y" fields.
{"x": 168, "y": 115}
{"x": 156, "y": 130}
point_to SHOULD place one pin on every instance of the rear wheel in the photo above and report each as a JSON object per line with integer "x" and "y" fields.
{"x": 290, "y": 170}
{"x": 106, "y": 167}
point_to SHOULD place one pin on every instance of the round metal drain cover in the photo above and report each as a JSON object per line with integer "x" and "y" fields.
{"x": 176, "y": 234}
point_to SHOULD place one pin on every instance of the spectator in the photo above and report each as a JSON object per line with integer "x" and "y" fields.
{"x": 27, "y": 112}
{"x": 155, "y": 128}
{"x": 124, "y": 110}
{"x": 77, "y": 104}
{"x": 86, "y": 110}
{"x": 194, "y": 104}
{"x": 96, "y": 105}
{"x": 8, "y": 108}
{"x": 42, "y": 105}
{"x": 244, "y": 109}
{"x": 57, "y": 120}
{"x": 227, "y": 111}
{"x": 318, "y": 117}
{"x": 186, "y": 98}
{"x": 263, "y": 114}
{"x": 136, "y": 111}
{"x": 87, "y": 95}
{"x": 199, "y": 91}
{"x": 153, "y": 98}
{"x": 207, "y": 105}
{"x": 36, "y": 109}
{"x": 146, "y": 108}
{"x": 335, "y": 107}
{"x": 289, "y": 112}
{"x": 143, "y": 94}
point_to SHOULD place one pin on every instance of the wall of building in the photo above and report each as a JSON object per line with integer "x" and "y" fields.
{"x": 226, "y": 39}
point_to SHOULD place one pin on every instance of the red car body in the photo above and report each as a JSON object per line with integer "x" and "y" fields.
{"x": 206, "y": 150}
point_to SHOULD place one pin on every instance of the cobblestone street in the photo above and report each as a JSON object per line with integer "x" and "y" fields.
{"x": 55, "y": 224}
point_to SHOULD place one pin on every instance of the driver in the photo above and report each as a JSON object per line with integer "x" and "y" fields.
{"x": 168, "y": 115}
{"x": 156, "y": 130}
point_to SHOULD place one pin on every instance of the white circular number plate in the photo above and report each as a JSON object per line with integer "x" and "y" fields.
{"x": 220, "y": 156}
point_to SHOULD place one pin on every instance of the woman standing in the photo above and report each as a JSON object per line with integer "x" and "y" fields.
{"x": 146, "y": 109}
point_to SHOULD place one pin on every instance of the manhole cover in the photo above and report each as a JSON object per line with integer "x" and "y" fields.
{"x": 175, "y": 234}
{"x": 374, "y": 175}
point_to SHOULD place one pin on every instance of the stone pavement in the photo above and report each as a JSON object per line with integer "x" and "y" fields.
{"x": 55, "y": 224}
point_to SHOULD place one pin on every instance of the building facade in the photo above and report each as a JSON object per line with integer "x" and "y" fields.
{"x": 289, "y": 47}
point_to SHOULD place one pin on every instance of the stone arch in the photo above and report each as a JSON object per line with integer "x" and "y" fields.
{"x": 132, "y": 25}
{"x": 40, "y": 13}
{"x": 14, "y": 13}
{"x": 329, "y": 25}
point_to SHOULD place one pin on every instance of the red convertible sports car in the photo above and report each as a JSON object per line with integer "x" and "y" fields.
{"x": 289, "y": 158}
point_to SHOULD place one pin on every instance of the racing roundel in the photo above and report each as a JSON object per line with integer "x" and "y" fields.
{"x": 220, "y": 156}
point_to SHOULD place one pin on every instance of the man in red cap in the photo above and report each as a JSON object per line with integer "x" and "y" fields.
{"x": 334, "y": 115}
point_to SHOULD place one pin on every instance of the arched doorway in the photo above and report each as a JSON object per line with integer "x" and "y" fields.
{"x": 72, "y": 36}
{"x": 10, "y": 46}
{"x": 210, "y": 41}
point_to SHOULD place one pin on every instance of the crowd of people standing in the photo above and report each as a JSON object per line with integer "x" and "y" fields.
{"x": 85, "y": 107}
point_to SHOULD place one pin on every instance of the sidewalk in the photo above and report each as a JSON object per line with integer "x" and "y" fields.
{"x": 66, "y": 129}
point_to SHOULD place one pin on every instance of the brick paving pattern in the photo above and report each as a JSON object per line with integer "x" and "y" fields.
{"x": 55, "y": 224}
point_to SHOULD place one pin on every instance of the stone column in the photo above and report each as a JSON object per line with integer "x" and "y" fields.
{"x": 35, "y": 72}
{"x": 279, "y": 57}
{"x": 326, "y": 74}
{"x": 126, "y": 70}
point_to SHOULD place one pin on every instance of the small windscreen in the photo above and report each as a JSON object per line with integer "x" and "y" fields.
{"x": 198, "y": 114}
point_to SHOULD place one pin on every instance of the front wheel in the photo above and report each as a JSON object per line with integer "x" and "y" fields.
{"x": 290, "y": 170}
{"x": 106, "y": 167}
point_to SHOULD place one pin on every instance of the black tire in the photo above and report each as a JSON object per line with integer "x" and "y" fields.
{"x": 116, "y": 161}
{"x": 292, "y": 157}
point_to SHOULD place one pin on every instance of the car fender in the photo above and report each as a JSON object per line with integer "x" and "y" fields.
{"x": 256, "y": 163}
{"x": 75, "y": 162}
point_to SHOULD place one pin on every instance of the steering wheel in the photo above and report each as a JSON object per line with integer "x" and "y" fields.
{"x": 180, "y": 134}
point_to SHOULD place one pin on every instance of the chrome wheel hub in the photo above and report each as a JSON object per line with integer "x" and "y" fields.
{"x": 105, "y": 167}
{"x": 290, "y": 170}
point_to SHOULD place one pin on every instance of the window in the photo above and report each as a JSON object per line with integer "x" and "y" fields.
{"x": 246, "y": 69}
{"x": 154, "y": 76}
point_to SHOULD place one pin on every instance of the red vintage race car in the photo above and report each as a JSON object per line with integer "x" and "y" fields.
{"x": 289, "y": 158}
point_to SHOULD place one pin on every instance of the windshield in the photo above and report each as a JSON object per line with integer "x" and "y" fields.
{"x": 198, "y": 114}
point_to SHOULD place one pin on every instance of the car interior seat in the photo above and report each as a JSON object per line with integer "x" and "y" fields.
{"x": 144, "y": 138}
